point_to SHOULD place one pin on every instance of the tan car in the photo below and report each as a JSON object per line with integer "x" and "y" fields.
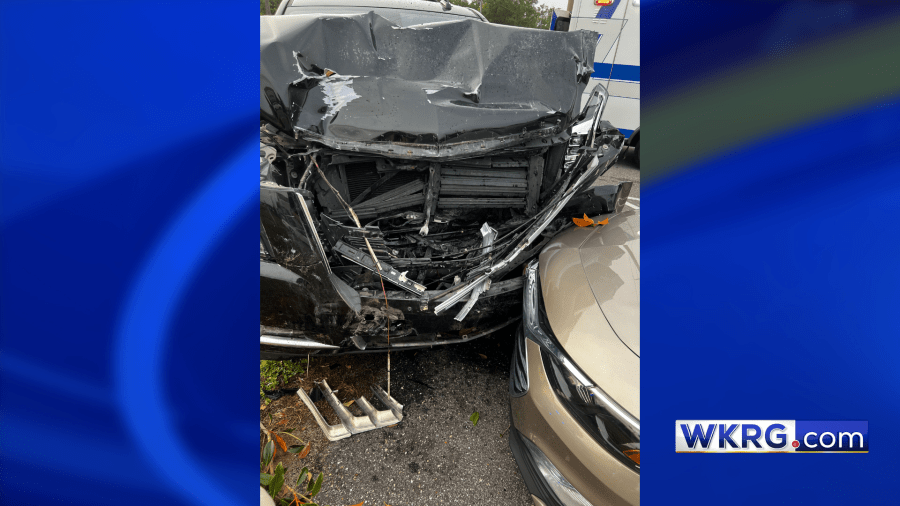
{"x": 575, "y": 375}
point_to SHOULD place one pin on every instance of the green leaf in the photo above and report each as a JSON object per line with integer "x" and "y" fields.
{"x": 474, "y": 418}
{"x": 277, "y": 481}
{"x": 302, "y": 477}
{"x": 315, "y": 486}
{"x": 268, "y": 450}
{"x": 265, "y": 479}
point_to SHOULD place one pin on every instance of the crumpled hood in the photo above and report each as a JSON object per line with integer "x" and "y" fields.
{"x": 361, "y": 79}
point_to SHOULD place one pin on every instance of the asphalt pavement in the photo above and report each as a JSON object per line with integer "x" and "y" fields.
{"x": 436, "y": 455}
{"x": 625, "y": 170}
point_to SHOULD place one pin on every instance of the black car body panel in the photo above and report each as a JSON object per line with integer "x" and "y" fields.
{"x": 405, "y": 170}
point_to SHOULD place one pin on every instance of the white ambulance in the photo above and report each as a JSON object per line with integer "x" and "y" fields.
{"x": 617, "y": 59}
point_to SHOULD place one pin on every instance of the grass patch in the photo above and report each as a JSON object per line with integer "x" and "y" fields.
{"x": 275, "y": 374}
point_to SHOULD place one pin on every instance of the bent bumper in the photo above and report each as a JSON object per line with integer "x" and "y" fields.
{"x": 412, "y": 324}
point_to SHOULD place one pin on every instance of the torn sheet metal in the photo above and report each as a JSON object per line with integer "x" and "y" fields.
{"x": 387, "y": 272}
{"x": 362, "y": 83}
{"x": 488, "y": 235}
{"x": 459, "y": 294}
{"x": 431, "y": 195}
{"x": 266, "y": 157}
{"x": 337, "y": 94}
{"x": 554, "y": 206}
{"x": 350, "y": 424}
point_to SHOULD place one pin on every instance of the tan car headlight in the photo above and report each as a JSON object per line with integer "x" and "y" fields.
{"x": 610, "y": 425}
{"x": 564, "y": 490}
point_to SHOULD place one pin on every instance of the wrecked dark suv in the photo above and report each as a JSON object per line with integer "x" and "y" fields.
{"x": 408, "y": 173}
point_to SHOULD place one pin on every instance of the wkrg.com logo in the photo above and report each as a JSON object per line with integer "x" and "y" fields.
{"x": 771, "y": 436}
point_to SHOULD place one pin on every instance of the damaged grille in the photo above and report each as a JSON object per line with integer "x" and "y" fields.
{"x": 363, "y": 175}
{"x": 499, "y": 184}
{"x": 431, "y": 225}
{"x": 423, "y": 219}
{"x": 472, "y": 184}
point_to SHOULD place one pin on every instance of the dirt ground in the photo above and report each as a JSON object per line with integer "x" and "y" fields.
{"x": 436, "y": 455}
{"x": 349, "y": 376}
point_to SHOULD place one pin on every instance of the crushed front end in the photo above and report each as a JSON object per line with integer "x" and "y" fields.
{"x": 407, "y": 174}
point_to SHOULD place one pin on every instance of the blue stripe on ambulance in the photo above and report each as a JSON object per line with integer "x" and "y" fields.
{"x": 619, "y": 72}
{"x": 607, "y": 11}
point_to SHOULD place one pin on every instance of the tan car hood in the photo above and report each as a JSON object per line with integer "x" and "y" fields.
{"x": 611, "y": 258}
{"x": 590, "y": 281}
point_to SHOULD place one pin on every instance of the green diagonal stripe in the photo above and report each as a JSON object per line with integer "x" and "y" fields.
{"x": 771, "y": 96}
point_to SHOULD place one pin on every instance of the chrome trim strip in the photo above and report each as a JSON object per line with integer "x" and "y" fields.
{"x": 295, "y": 343}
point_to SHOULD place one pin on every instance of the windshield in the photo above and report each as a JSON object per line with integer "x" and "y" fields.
{"x": 401, "y": 17}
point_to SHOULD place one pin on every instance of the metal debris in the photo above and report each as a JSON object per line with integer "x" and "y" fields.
{"x": 354, "y": 424}
{"x": 488, "y": 235}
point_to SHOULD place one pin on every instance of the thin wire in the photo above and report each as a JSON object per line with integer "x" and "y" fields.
{"x": 388, "y": 319}
{"x": 378, "y": 269}
{"x": 618, "y": 43}
{"x": 352, "y": 215}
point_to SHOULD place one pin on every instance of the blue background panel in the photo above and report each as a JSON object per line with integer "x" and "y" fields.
{"x": 128, "y": 311}
{"x": 770, "y": 281}
{"x": 128, "y": 216}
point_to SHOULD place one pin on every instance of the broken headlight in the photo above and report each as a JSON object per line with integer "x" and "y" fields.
{"x": 608, "y": 423}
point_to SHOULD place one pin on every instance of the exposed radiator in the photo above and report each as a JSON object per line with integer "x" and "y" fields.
{"x": 489, "y": 187}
